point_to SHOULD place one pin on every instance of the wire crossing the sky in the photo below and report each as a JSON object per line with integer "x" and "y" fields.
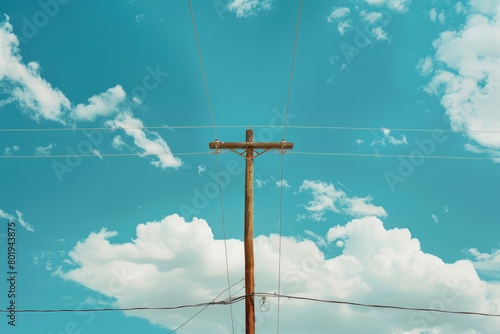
{"x": 202, "y": 68}
{"x": 291, "y": 72}
{"x": 218, "y": 170}
{"x": 203, "y": 309}
{"x": 225, "y": 240}
{"x": 444, "y": 157}
{"x": 267, "y": 295}
{"x": 305, "y": 127}
{"x": 282, "y": 158}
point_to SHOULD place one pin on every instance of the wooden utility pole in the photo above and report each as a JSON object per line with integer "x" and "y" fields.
{"x": 250, "y": 147}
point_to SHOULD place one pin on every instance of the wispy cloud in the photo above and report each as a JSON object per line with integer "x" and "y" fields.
{"x": 118, "y": 143}
{"x": 401, "y": 6}
{"x": 261, "y": 183}
{"x": 40, "y": 150}
{"x": 100, "y": 105}
{"x": 201, "y": 169}
{"x": 149, "y": 142}
{"x": 20, "y": 219}
{"x": 328, "y": 198}
{"x": 24, "y": 223}
{"x": 9, "y": 150}
{"x": 284, "y": 183}
{"x": 388, "y": 138}
{"x": 245, "y": 8}
{"x": 24, "y": 84}
{"x": 340, "y": 15}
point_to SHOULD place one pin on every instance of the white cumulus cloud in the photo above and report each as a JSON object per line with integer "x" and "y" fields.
{"x": 174, "y": 262}
{"x": 468, "y": 81}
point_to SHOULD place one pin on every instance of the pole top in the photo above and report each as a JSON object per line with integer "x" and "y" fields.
{"x": 249, "y": 135}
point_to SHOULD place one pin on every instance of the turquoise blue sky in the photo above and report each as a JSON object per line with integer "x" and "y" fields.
{"x": 388, "y": 230}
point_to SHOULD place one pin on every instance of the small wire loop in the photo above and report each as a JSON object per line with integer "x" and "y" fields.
{"x": 262, "y": 305}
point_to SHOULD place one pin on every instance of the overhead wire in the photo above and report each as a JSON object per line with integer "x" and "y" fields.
{"x": 202, "y": 68}
{"x": 304, "y": 127}
{"x": 225, "y": 240}
{"x": 444, "y": 157}
{"x": 282, "y": 158}
{"x": 204, "y": 308}
{"x": 291, "y": 72}
{"x": 218, "y": 166}
{"x": 402, "y": 308}
{"x": 393, "y": 155}
{"x": 99, "y": 155}
{"x": 267, "y": 295}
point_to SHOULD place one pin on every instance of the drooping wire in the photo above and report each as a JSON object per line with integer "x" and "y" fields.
{"x": 218, "y": 167}
{"x": 279, "y": 243}
{"x": 99, "y": 155}
{"x": 402, "y": 308}
{"x": 394, "y": 156}
{"x": 202, "y": 68}
{"x": 291, "y": 73}
{"x": 296, "y": 153}
{"x": 282, "y": 154}
{"x": 225, "y": 240}
{"x": 203, "y": 309}
{"x": 304, "y": 127}
{"x": 259, "y": 294}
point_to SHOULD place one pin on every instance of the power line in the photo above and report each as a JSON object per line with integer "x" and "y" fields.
{"x": 100, "y": 155}
{"x": 225, "y": 240}
{"x": 282, "y": 156}
{"x": 205, "y": 153}
{"x": 305, "y": 127}
{"x": 202, "y": 69}
{"x": 392, "y": 155}
{"x": 120, "y": 309}
{"x": 279, "y": 245}
{"x": 203, "y": 309}
{"x": 291, "y": 72}
{"x": 378, "y": 306}
{"x": 241, "y": 298}
{"x": 218, "y": 171}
